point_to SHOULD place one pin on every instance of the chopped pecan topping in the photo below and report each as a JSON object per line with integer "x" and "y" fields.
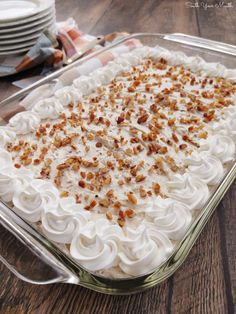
{"x": 131, "y": 198}
{"x": 140, "y": 178}
{"x": 130, "y": 213}
{"x": 156, "y": 188}
{"x": 82, "y": 184}
{"x": 64, "y": 194}
{"x": 92, "y": 204}
{"x": 117, "y": 205}
{"x": 121, "y": 222}
{"x": 143, "y": 118}
{"x": 120, "y": 119}
{"x": 104, "y": 202}
{"x": 109, "y": 215}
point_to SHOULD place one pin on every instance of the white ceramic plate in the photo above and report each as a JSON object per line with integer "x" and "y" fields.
{"x": 25, "y": 37}
{"x": 33, "y": 36}
{"x": 28, "y": 19}
{"x": 29, "y": 30}
{"x": 26, "y": 43}
{"x": 5, "y": 48}
{"x": 17, "y": 28}
{"x": 14, "y": 52}
{"x": 14, "y": 10}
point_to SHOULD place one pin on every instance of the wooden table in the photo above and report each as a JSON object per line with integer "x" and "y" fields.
{"x": 206, "y": 282}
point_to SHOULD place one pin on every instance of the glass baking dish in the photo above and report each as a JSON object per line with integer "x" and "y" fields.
{"x": 35, "y": 259}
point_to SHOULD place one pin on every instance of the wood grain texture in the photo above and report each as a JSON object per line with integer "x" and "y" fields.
{"x": 206, "y": 282}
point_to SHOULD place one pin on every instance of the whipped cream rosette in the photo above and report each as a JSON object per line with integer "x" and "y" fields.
{"x": 220, "y": 146}
{"x": 24, "y": 122}
{"x": 205, "y": 166}
{"x": 97, "y": 246}
{"x": 48, "y": 108}
{"x": 170, "y": 217}
{"x": 65, "y": 221}
{"x": 35, "y": 198}
{"x": 6, "y": 136}
{"x": 143, "y": 250}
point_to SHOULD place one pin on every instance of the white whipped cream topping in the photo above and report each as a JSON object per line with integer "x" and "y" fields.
{"x": 143, "y": 250}
{"x": 85, "y": 84}
{"x": 226, "y": 126}
{"x": 24, "y": 122}
{"x": 195, "y": 63}
{"x": 11, "y": 180}
{"x": 34, "y": 199}
{"x": 98, "y": 245}
{"x": 219, "y": 146}
{"x": 61, "y": 224}
{"x": 189, "y": 190}
{"x": 48, "y": 108}
{"x": 205, "y": 166}
{"x": 169, "y": 216}
{"x": 5, "y": 160}
{"x": 6, "y": 136}
{"x": 67, "y": 95}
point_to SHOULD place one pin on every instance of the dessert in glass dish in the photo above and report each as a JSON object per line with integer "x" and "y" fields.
{"x": 115, "y": 168}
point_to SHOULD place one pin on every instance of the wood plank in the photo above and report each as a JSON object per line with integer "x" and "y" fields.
{"x": 199, "y": 285}
{"x": 86, "y": 13}
{"x": 227, "y": 221}
{"x": 147, "y": 16}
{"x": 217, "y": 23}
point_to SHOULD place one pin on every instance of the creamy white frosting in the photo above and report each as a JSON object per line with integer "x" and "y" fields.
{"x": 195, "y": 63}
{"x": 24, "y": 122}
{"x": 67, "y": 95}
{"x": 34, "y": 199}
{"x": 11, "y": 180}
{"x": 96, "y": 247}
{"x": 226, "y": 126}
{"x": 48, "y": 108}
{"x": 143, "y": 250}
{"x": 169, "y": 216}
{"x": 220, "y": 146}
{"x": 206, "y": 167}
{"x": 6, "y": 136}
{"x": 188, "y": 189}
{"x": 102, "y": 77}
{"x": 99, "y": 244}
{"x": 61, "y": 224}
{"x": 85, "y": 84}
{"x": 5, "y": 160}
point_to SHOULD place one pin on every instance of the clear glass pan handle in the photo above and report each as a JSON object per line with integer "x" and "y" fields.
{"x": 19, "y": 254}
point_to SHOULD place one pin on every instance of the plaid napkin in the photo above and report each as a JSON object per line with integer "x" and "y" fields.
{"x": 49, "y": 48}
{"x": 52, "y": 51}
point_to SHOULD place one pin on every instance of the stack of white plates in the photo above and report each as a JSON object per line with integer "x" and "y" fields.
{"x": 22, "y": 22}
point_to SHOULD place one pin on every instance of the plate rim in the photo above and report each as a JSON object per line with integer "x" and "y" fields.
{"x": 29, "y": 29}
{"x": 27, "y": 43}
{"x": 33, "y": 35}
{"x": 43, "y": 5}
{"x": 13, "y": 52}
{"x": 28, "y": 20}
